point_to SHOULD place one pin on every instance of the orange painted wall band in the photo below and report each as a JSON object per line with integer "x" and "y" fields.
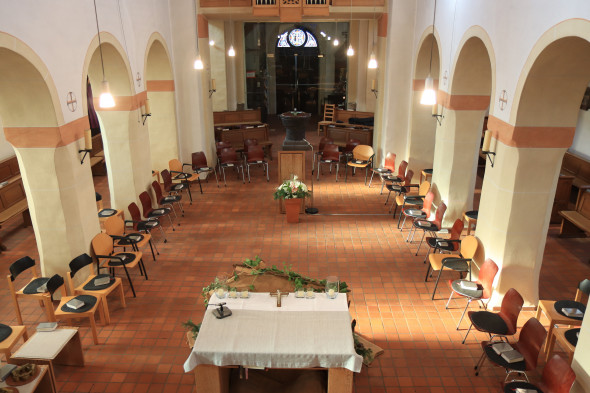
{"x": 540, "y": 137}
{"x": 160, "y": 85}
{"x": 382, "y": 25}
{"x": 123, "y": 103}
{"x": 48, "y": 137}
{"x": 202, "y": 26}
{"x": 458, "y": 102}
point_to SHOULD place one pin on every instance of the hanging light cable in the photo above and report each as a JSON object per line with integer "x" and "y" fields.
{"x": 350, "y": 51}
{"x": 198, "y": 65}
{"x": 429, "y": 95}
{"x": 231, "y": 52}
{"x": 106, "y": 98}
{"x": 372, "y": 59}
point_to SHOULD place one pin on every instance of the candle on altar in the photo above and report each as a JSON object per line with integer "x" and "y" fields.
{"x": 147, "y": 106}
{"x": 233, "y": 294}
{"x": 300, "y": 292}
{"x": 487, "y": 139}
{"x": 220, "y": 292}
{"x": 331, "y": 292}
{"x": 244, "y": 293}
{"x": 87, "y": 139}
{"x": 310, "y": 293}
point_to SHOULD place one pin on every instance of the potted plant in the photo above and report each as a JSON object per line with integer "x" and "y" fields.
{"x": 292, "y": 191}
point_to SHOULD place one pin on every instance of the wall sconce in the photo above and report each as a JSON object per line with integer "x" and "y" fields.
{"x": 374, "y": 88}
{"x": 145, "y": 110}
{"x": 212, "y": 89}
{"x": 87, "y": 145}
{"x": 436, "y": 115}
{"x": 485, "y": 148}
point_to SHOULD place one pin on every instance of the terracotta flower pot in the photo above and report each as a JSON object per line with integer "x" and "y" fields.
{"x": 293, "y": 207}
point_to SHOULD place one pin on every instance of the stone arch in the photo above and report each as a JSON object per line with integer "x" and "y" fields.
{"x": 159, "y": 85}
{"x": 458, "y": 138}
{"x": 422, "y": 124}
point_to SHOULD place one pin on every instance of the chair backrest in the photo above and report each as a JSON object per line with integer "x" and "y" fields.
{"x": 135, "y": 214}
{"x": 250, "y": 142}
{"x": 469, "y": 246}
{"x": 228, "y": 155}
{"x": 457, "y": 228}
{"x": 530, "y": 340}
{"x": 20, "y": 265}
{"x": 389, "y": 162}
{"x": 510, "y": 308}
{"x": 408, "y": 179}
{"x": 427, "y": 205}
{"x": 401, "y": 169}
{"x": 363, "y": 152}
{"x": 255, "y": 153}
{"x": 558, "y": 375}
{"x": 329, "y": 111}
{"x": 487, "y": 273}
{"x": 175, "y": 165}
{"x": 330, "y": 152}
{"x": 79, "y": 262}
{"x": 54, "y": 283}
{"x": 146, "y": 203}
{"x": 114, "y": 226}
{"x": 157, "y": 190}
{"x": 199, "y": 160}
{"x": 424, "y": 187}
{"x": 583, "y": 289}
{"x": 325, "y": 141}
{"x": 102, "y": 244}
{"x": 166, "y": 178}
{"x": 440, "y": 213}
{"x": 351, "y": 144}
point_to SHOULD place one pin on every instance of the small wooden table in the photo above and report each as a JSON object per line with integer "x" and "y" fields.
{"x": 10, "y": 341}
{"x": 547, "y": 307}
{"x": 559, "y": 336}
{"x": 470, "y": 218}
{"x": 61, "y": 346}
{"x": 427, "y": 174}
{"x": 41, "y": 384}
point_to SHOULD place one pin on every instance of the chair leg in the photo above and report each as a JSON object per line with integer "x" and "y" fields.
{"x": 49, "y": 308}
{"x": 164, "y": 233}
{"x": 346, "y": 174}
{"x": 19, "y": 316}
{"x": 467, "y": 334}
{"x": 382, "y": 185}
{"x": 427, "y": 272}
{"x": 266, "y": 166}
{"x": 223, "y": 170}
{"x": 248, "y": 166}
{"x": 421, "y": 240}
{"x": 129, "y": 279}
{"x": 200, "y": 186}
{"x": 105, "y": 315}
{"x": 93, "y": 326}
{"x": 449, "y": 301}
{"x": 437, "y": 280}
{"x": 479, "y": 363}
{"x": 143, "y": 265}
{"x": 152, "y": 248}
{"x": 370, "y": 181}
{"x": 216, "y": 179}
{"x": 337, "y": 170}
{"x": 122, "y": 295}
{"x": 464, "y": 311}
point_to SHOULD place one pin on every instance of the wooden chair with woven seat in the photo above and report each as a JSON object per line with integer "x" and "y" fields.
{"x": 460, "y": 262}
{"x": 362, "y": 157}
{"x": 409, "y": 200}
{"x": 154, "y": 214}
{"x": 145, "y": 226}
{"x": 87, "y": 310}
{"x": 34, "y": 289}
{"x": 180, "y": 175}
{"x": 102, "y": 244}
{"x": 115, "y": 228}
{"x": 387, "y": 169}
{"x": 88, "y": 285}
{"x": 329, "y": 117}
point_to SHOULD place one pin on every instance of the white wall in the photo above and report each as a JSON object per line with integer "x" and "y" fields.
{"x": 6, "y": 149}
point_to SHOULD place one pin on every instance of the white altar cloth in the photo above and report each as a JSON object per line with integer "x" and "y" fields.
{"x": 303, "y": 333}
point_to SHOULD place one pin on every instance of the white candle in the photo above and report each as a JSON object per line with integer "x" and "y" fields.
{"x": 309, "y": 293}
{"x": 220, "y": 292}
{"x": 213, "y": 85}
{"x": 487, "y": 139}
{"x": 87, "y": 139}
{"x": 147, "y": 106}
{"x": 244, "y": 293}
{"x": 233, "y": 294}
{"x": 300, "y": 293}
{"x": 331, "y": 292}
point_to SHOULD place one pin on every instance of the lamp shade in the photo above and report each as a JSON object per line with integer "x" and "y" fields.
{"x": 231, "y": 52}
{"x": 106, "y": 98}
{"x": 350, "y": 51}
{"x": 372, "y": 61}
{"x": 198, "y": 63}
{"x": 428, "y": 95}
{"x": 336, "y": 42}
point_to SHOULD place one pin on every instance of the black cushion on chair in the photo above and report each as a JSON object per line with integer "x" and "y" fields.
{"x": 5, "y": 332}
{"x": 91, "y": 287}
{"x": 415, "y": 213}
{"x": 472, "y": 214}
{"x": 179, "y": 187}
{"x": 170, "y": 199}
{"x": 89, "y": 302}
{"x": 494, "y": 357}
{"x": 429, "y": 226}
{"x": 442, "y": 244}
{"x": 107, "y": 212}
{"x": 472, "y": 293}
{"x": 489, "y": 322}
{"x": 159, "y": 212}
{"x": 570, "y": 304}
{"x": 428, "y": 171}
{"x": 31, "y": 287}
{"x": 456, "y": 264}
{"x": 130, "y": 239}
{"x": 572, "y": 336}
{"x": 128, "y": 257}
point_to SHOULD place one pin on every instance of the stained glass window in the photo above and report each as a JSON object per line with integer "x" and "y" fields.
{"x": 283, "y": 41}
{"x": 311, "y": 41}
{"x": 297, "y": 38}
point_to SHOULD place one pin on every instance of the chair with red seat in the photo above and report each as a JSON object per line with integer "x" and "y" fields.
{"x": 392, "y": 178}
{"x": 450, "y": 244}
{"x": 430, "y": 226}
{"x": 558, "y": 377}
{"x": 323, "y": 142}
{"x": 150, "y": 213}
{"x": 143, "y": 225}
{"x": 407, "y": 201}
{"x": 229, "y": 159}
{"x": 500, "y": 324}
{"x": 387, "y": 169}
{"x": 200, "y": 165}
{"x": 255, "y": 156}
{"x": 330, "y": 155}
{"x": 482, "y": 289}
{"x": 401, "y": 189}
{"x": 168, "y": 200}
{"x": 170, "y": 187}
{"x": 347, "y": 150}
{"x": 529, "y": 344}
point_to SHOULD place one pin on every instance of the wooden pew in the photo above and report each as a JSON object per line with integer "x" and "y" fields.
{"x": 576, "y": 223}
{"x": 341, "y": 130}
{"x": 13, "y": 200}
{"x": 237, "y": 136}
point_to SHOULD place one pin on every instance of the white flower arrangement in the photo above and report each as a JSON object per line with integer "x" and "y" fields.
{"x": 291, "y": 189}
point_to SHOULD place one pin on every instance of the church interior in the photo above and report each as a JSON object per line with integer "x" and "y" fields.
{"x": 479, "y": 108}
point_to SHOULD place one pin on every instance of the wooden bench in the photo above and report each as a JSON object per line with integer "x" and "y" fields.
{"x": 341, "y": 130}
{"x": 236, "y": 136}
{"x": 577, "y": 167}
{"x": 576, "y": 223}
{"x": 13, "y": 200}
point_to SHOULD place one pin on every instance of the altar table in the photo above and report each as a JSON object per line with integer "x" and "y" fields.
{"x": 303, "y": 333}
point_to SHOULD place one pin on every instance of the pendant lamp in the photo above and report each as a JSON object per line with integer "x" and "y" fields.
{"x": 106, "y": 99}
{"x": 429, "y": 95}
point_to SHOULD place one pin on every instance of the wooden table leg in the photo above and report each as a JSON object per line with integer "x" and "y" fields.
{"x": 339, "y": 380}
{"x": 211, "y": 379}
{"x": 71, "y": 354}
{"x": 549, "y": 345}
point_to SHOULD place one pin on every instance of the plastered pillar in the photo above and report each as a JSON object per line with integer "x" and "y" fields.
{"x": 422, "y": 135}
{"x": 162, "y": 127}
{"x": 455, "y": 161}
{"x": 60, "y": 195}
{"x": 581, "y": 362}
{"x": 516, "y": 201}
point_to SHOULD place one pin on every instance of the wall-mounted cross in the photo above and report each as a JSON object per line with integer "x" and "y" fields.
{"x": 279, "y": 294}
{"x": 71, "y": 101}
{"x": 503, "y": 100}
{"x": 138, "y": 79}
{"x": 445, "y": 77}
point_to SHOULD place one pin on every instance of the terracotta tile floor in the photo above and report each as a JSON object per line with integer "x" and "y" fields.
{"x": 143, "y": 349}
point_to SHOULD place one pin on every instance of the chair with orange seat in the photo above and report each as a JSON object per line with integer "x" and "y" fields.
{"x": 178, "y": 173}
{"x": 143, "y": 225}
{"x": 387, "y": 169}
{"x": 103, "y": 247}
{"x": 450, "y": 244}
{"x": 409, "y": 200}
{"x": 115, "y": 228}
{"x": 362, "y": 157}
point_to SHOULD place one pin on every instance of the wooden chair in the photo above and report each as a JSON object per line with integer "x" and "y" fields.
{"x": 460, "y": 262}
{"x": 9, "y": 342}
{"x": 387, "y": 168}
{"x": 362, "y": 157}
{"x": 177, "y": 169}
{"x": 329, "y": 117}
{"x": 102, "y": 244}
{"x": 145, "y": 226}
{"x": 88, "y": 310}
{"x": 115, "y": 228}
{"x": 30, "y": 289}
{"x": 87, "y": 287}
